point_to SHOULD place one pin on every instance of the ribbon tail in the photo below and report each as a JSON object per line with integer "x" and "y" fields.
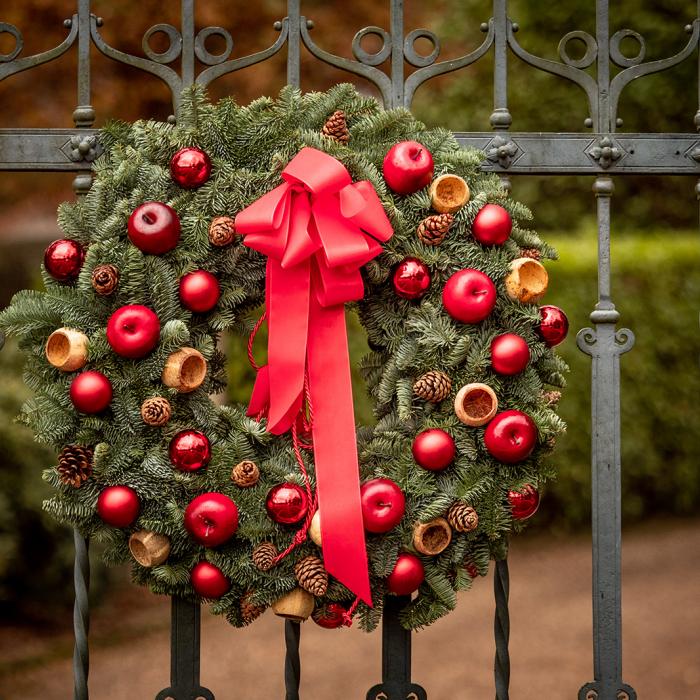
{"x": 259, "y": 403}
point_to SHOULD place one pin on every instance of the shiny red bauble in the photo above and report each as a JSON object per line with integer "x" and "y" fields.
{"x": 133, "y": 331}
{"x": 511, "y": 436}
{"x": 524, "y": 502}
{"x": 408, "y": 167}
{"x": 189, "y": 450}
{"x": 199, "y": 291}
{"x": 411, "y": 278}
{"x": 469, "y": 296}
{"x": 211, "y": 519}
{"x": 154, "y": 227}
{"x": 329, "y": 616}
{"x": 63, "y": 259}
{"x": 118, "y": 506}
{"x": 209, "y": 581}
{"x": 287, "y": 503}
{"x": 509, "y": 354}
{"x": 434, "y": 449}
{"x": 554, "y": 325}
{"x": 407, "y": 575}
{"x": 383, "y": 505}
{"x": 492, "y": 225}
{"x": 91, "y": 392}
{"x": 190, "y": 167}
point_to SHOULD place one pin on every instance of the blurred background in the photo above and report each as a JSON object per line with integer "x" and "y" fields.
{"x": 656, "y": 287}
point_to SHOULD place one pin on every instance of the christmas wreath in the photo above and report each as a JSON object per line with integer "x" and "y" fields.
{"x": 304, "y": 204}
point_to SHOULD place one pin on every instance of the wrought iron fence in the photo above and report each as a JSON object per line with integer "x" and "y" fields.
{"x": 603, "y": 72}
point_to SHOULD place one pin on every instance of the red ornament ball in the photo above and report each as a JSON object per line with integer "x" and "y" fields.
{"x": 133, "y": 331}
{"x": 154, "y": 227}
{"x": 383, "y": 505}
{"x": 434, "y": 449}
{"x": 209, "y": 581}
{"x": 211, "y": 519}
{"x": 91, "y": 392}
{"x": 511, "y": 436}
{"x": 287, "y": 503}
{"x": 199, "y": 291}
{"x": 189, "y": 450}
{"x": 63, "y": 259}
{"x": 509, "y": 354}
{"x": 329, "y": 616}
{"x": 469, "y": 296}
{"x": 408, "y": 167}
{"x": 407, "y": 575}
{"x": 411, "y": 279}
{"x": 492, "y": 225}
{"x": 118, "y": 506}
{"x": 190, "y": 167}
{"x": 524, "y": 502}
{"x": 554, "y": 325}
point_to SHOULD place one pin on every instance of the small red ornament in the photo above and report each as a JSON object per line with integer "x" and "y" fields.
{"x": 511, "y": 436}
{"x": 91, "y": 392}
{"x": 133, "y": 331}
{"x": 211, "y": 519}
{"x": 407, "y": 575}
{"x": 554, "y": 325}
{"x": 199, "y": 291}
{"x": 524, "y": 502}
{"x": 492, "y": 225}
{"x": 287, "y": 503}
{"x": 118, "y": 506}
{"x": 469, "y": 296}
{"x": 509, "y": 354}
{"x": 383, "y": 505}
{"x": 189, "y": 450}
{"x": 190, "y": 167}
{"x": 329, "y": 616}
{"x": 411, "y": 279}
{"x": 63, "y": 259}
{"x": 408, "y": 167}
{"x": 434, "y": 449}
{"x": 154, "y": 228}
{"x": 209, "y": 581}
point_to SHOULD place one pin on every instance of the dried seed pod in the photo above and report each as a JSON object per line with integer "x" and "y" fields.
{"x": 527, "y": 281}
{"x": 185, "y": 370}
{"x": 432, "y": 537}
{"x": 296, "y": 605}
{"x": 476, "y": 404}
{"x": 66, "y": 349}
{"x": 149, "y": 548}
{"x": 448, "y": 193}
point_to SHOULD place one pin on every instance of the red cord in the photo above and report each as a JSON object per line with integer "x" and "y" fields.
{"x": 348, "y": 614}
{"x": 251, "y": 340}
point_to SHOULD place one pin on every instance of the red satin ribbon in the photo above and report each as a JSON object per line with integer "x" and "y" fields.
{"x": 317, "y": 229}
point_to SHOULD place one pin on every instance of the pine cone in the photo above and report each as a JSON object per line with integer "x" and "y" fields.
{"x": 250, "y": 611}
{"x": 105, "y": 279}
{"x": 156, "y": 411}
{"x": 433, "y": 229}
{"x": 551, "y": 397}
{"x": 74, "y": 465}
{"x": 336, "y": 127}
{"x": 222, "y": 231}
{"x": 264, "y": 556}
{"x": 530, "y": 253}
{"x": 245, "y": 474}
{"x": 312, "y": 575}
{"x": 433, "y": 386}
{"x": 462, "y": 517}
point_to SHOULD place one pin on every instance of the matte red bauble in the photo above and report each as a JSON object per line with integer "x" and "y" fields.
{"x": 209, "y": 581}
{"x": 154, "y": 228}
{"x": 407, "y": 575}
{"x": 408, "y": 167}
{"x": 91, "y": 392}
{"x": 190, "y": 167}
{"x": 554, "y": 325}
{"x": 524, "y": 502}
{"x": 383, "y": 505}
{"x": 511, "y": 436}
{"x": 329, "y": 616}
{"x": 469, "y": 296}
{"x": 118, "y": 506}
{"x": 411, "y": 279}
{"x": 199, "y": 291}
{"x": 63, "y": 259}
{"x": 189, "y": 450}
{"x": 509, "y": 354}
{"x": 434, "y": 449}
{"x": 287, "y": 503}
{"x": 211, "y": 519}
{"x": 133, "y": 331}
{"x": 492, "y": 225}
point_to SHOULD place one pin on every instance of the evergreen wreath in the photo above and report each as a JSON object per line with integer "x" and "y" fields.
{"x": 463, "y": 494}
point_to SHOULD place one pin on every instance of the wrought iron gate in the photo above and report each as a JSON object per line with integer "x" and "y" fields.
{"x": 602, "y": 153}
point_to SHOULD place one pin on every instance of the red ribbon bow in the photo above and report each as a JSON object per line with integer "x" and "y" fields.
{"x": 317, "y": 229}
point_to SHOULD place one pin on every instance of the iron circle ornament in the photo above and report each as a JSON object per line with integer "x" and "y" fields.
{"x": 366, "y": 57}
{"x": 409, "y": 48}
{"x": 590, "y": 54}
{"x": 174, "y": 43}
{"x": 206, "y": 56}
{"x": 616, "y": 48}
{"x": 6, "y": 28}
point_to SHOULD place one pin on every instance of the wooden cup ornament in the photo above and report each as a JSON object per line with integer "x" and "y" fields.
{"x": 314, "y": 530}
{"x": 448, "y": 193}
{"x": 149, "y": 548}
{"x": 296, "y": 605}
{"x": 476, "y": 404}
{"x": 432, "y": 537}
{"x": 527, "y": 280}
{"x": 185, "y": 370}
{"x": 66, "y": 349}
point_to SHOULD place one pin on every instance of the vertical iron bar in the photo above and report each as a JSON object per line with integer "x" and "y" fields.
{"x": 602, "y": 20}
{"x": 501, "y": 118}
{"x": 294, "y": 43}
{"x": 81, "y": 617}
{"x": 397, "y": 65}
{"x": 501, "y": 629}
{"x": 187, "y": 22}
{"x": 83, "y": 114}
{"x": 292, "y": 660}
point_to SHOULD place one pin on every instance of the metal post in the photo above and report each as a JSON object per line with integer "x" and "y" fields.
{"x": 501, "y": 629}
{"x": 294, "y": 43}
{"x": 292, "y": 660}
{"x": 397, "y": 58}
{"x": 81, "y": 617}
